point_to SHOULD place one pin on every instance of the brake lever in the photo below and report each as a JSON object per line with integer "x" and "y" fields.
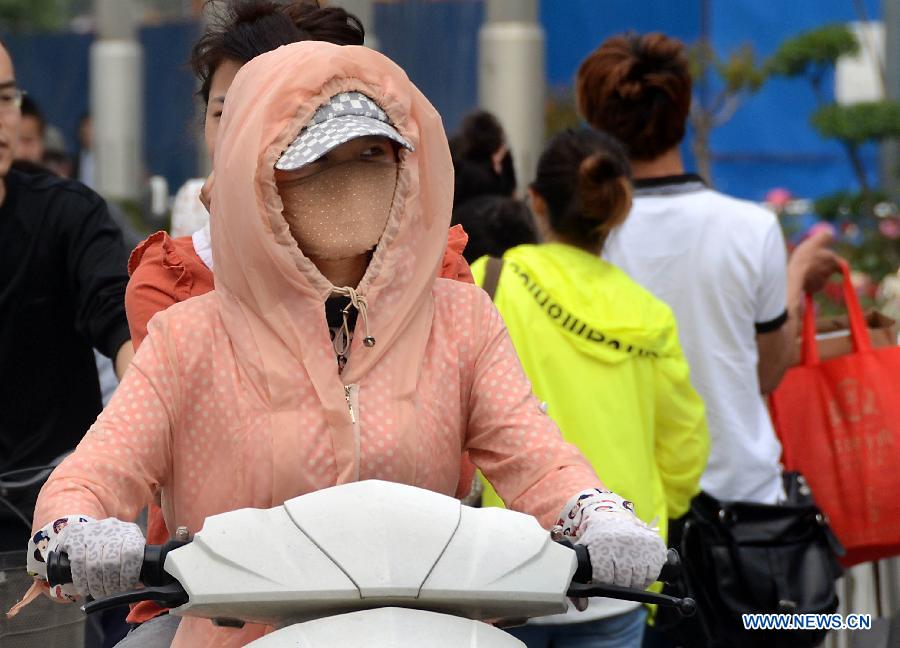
{"x": 685, "y": 606}
{"x": 171, "y": 596}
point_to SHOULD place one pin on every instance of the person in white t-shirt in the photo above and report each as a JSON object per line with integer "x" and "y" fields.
{"x": 720, "y": 263}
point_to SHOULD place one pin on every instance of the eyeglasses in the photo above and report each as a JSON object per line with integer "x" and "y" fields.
{"x": 11, "y": 99}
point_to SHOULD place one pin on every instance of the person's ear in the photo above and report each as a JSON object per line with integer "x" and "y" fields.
{"x": 537, "y": 202}
{"x": 541, "y": 213}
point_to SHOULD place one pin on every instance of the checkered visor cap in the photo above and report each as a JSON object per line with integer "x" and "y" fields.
{"x": 346, "y": 116}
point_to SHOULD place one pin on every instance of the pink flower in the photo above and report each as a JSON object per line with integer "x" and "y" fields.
{"x": 890, "y": 227}
{"x": 778, "y": 197}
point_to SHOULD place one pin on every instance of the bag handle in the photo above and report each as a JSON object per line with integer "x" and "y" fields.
{"x": 492, "y": 271}
{"x": 859, "y": 331}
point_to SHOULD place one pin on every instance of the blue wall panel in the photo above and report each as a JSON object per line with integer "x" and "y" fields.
{"x": 170, "y": 121}
{"x": 767, "y": 144}
{"x": 436, "y": 42}
{"x": 576, "y": 27}
{"x": 53, "y": 69}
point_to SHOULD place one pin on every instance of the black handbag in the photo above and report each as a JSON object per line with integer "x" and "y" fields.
{"x": 743, "y": 557}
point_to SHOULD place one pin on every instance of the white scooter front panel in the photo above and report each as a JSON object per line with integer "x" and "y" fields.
{"x": 370, "y": 545}
{"x": 389, "y": 628}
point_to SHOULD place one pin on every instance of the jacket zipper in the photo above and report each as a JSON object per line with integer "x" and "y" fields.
{"x": 347, "y": 390}
{"x": 351, "y": 394}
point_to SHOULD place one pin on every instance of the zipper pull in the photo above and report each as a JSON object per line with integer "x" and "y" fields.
{"x": 349, "y": 404}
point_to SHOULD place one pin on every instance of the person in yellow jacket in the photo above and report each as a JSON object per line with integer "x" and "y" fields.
{"x": 604, "y": 356}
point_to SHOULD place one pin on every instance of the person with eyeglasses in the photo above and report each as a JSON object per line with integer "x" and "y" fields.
{"x": 63, "y": 272}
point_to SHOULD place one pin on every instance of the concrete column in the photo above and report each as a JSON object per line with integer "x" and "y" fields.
{"x": 511, "y": 78}
{"x": 116, "y": 98}
{"x": 365, "y": 11}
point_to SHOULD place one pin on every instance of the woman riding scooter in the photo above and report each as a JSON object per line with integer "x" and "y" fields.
{"x": 328, "y": 352}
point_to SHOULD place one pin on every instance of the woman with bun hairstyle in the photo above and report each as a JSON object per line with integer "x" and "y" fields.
{"x": 718, "y": 262}
{"x": 603, "y": 355}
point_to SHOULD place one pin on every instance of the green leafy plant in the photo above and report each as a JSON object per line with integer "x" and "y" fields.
{"x": 867, "y": 220}
{"x": 858, "y": 123}
{"x": 813, "y": 55}
{"x": 737, "y": 76}
{"x": 33, "y": 15}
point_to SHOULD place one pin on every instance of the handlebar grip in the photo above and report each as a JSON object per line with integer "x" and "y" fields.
{"x": 153, "y": 574}
{"x": 671, "y": 570}
{"x": 59, "y": 570}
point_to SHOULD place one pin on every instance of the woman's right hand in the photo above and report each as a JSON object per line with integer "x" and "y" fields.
{"x": 105, "y": 555}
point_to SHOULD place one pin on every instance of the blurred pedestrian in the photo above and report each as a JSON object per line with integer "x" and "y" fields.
{"x": 32, "y": 129}
{"x": 719, "y": 262}
{"x": 482, "y": 161}
{"x": 56, "y": 158}
{"x": 603, "y": 354}
{"x": 63, "y": 277}
{"x": 494, "y": 224}
{"x": 84, "y": 158}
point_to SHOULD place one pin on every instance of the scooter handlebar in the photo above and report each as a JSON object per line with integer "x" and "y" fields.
{"x": 59, "y": 569}
{"x": 670, "y": 571}
{"x": 160, "y": 585}
{"x": 581, "y": 587}
{"x": 153, "y": 573}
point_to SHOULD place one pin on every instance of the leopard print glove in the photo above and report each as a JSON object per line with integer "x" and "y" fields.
{"x": 106, "y": 556}
{"x": 624, "y": 550}
{"x": 44, "y": 541}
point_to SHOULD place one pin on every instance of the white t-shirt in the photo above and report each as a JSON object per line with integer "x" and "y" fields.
{"x": 720, "y": 264}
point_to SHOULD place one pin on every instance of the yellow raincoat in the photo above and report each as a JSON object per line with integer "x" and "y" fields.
{"x": 603, "y": 354}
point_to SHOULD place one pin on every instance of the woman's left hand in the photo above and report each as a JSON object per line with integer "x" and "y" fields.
{"x": 624, "y": 550}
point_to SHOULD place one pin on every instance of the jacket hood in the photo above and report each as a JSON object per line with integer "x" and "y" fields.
{"x": 593, "y": 304}
{"x": 272, "y": 295}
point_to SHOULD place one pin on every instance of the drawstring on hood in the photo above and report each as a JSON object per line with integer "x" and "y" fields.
{"x": 358, "y": 302}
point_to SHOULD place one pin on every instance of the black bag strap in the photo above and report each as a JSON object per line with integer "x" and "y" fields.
{"x": 492, "y": 271}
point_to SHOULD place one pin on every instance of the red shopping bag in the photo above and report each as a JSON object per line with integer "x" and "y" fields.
{"x": 839, "y": 424}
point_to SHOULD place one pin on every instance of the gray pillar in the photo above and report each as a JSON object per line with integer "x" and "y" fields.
{"x": 365, "y": 11}
{"x": 116, "y": 96}
{"x": 890, "y": 151}
{"x": 511, "y": 78}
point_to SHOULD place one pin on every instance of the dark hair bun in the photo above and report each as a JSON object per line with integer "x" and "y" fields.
{"x": 584, "y": 178}
{"x": 638, "y": 89}
{"x": 600, "y": 167}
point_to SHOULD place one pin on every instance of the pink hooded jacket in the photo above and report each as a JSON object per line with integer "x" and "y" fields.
{"x": 234, "y": 399}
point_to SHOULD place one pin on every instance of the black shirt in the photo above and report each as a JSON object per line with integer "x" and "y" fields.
{"x": 63, "y": 272}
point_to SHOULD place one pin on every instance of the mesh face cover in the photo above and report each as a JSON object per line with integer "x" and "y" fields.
{"x": 340, "y": 212}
